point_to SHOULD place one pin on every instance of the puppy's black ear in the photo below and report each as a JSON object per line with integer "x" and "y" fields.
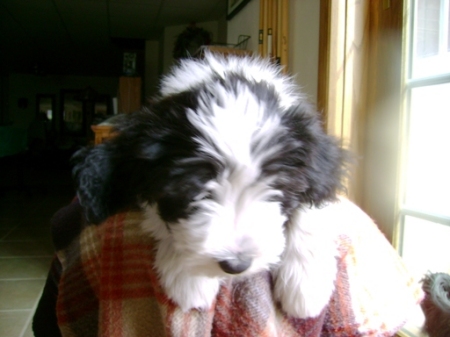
{"x": 321, "y": 164}
{"x": 92, "y": 173}
{"x": 109, "y": 178}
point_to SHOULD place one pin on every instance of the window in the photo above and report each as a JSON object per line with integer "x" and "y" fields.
{"x": 425, "y": 204}
{"x": 424, "y": 228}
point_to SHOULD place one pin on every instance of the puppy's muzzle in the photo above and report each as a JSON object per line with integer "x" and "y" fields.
{"x": 236, "y": 265}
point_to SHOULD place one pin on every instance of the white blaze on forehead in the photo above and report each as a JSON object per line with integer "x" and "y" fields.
{"x": 229, "y": 131}
{"x": 193, "y": 73}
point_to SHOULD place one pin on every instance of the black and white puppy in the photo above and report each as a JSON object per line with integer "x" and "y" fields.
{"x": 230, "y": 165}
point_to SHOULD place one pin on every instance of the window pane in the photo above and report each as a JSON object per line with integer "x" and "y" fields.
{"x": 427, "y": 28}
{"x": 428, "y": 162}
{"x": 430, "y": 51}
{"x": 425, "y": 246}
{"x": 448, "y": 28}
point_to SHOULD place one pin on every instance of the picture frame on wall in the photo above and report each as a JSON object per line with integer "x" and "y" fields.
{"x": 129, "y": 64}
{"x": 234, "y": 7}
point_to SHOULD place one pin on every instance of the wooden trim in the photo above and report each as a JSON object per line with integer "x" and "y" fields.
{"x": 278, "y": 34}
{"x": 324, "y": 59}
{"x": 261, "y": 33}
{"x": 342, "y": 88}
{"x": 274, "y": 31}
{"x": 265, "y": 26}
{"x": 274, "y": 14}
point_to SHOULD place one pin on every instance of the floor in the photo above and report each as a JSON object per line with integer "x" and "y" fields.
{"x": 32, "y": 190}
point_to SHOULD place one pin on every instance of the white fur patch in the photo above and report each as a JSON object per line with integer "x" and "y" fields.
{"x": 238, "y": 220}
{"x": 256, "y": 70}
{"x": 304, "y": 281}
{"x": 304, "y": 274}
{"x": 231, "y": 131}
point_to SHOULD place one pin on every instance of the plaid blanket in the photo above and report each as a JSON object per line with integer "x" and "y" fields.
{"x": 108, "y": 287}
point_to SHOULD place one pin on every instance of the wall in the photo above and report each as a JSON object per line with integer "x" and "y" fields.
{"x": 152, "y": 68}
{"x": 246, "y": 22}
{"x": 303, "y": 39}
{"x": 304, "y": 18}
{"x": 4, "y": 100}
{"x": 28, "y": 86}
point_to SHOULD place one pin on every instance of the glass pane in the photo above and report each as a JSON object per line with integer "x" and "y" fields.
{"x": 448, "y": 27}
{"x": 427, "y": 28}
{"x": 428, "y": 161}
{"x": 430, "y": 39}
{"x": 72, "y": 113}
{"x": 425, "y": 246}
{"x": 46, "y": 107}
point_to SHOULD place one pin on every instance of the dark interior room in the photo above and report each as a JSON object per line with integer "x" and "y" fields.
{"x": 64, "y": 67}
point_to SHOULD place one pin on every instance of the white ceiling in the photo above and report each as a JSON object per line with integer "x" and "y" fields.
{"x": 65, "y": 33}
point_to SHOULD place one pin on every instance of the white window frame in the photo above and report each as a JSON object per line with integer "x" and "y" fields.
{"x": 409, "y": 85}
{"x": 413, "y": 329}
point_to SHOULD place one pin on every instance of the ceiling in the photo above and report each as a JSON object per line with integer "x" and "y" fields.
{"x": 88, "y": 36}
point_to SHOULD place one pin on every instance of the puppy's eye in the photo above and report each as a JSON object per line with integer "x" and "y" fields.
{"x": 205, "y": 195}
{"x": 275, "y": 196}
{"x": 198, "y": 202}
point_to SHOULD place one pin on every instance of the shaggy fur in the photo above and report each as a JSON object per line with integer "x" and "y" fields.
{"x": 231, "y": 166}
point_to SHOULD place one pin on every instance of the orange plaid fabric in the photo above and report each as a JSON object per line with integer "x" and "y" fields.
{"x": 109, "y": 288}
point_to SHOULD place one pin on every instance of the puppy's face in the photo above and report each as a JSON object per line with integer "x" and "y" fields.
{"x": 221, "y": 205}
{"x": 233, "y": 225}
{"x": 219, "y": 167}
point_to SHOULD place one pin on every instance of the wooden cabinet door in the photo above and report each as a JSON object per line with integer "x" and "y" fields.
{"x": 129, "y": 94}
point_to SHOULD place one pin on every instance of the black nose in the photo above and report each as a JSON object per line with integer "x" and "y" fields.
{"x": 235, "y": 266}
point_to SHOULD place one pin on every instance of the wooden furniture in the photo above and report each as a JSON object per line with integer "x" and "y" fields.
{"x": 225, "y": 50}
{"x": 102, "y": 133}
{"x": 130, "y": 98}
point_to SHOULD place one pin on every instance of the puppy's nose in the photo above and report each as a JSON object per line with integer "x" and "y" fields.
{"x": 235, "y": 266}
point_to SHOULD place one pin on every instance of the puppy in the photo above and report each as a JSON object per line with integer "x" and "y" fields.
{"x": 230, "y": 165}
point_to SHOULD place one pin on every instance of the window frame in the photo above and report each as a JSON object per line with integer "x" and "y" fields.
{"x": 410, "y": 83}
{"x": 382, "y": 69}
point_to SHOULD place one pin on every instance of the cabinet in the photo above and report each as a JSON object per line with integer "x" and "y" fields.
{"x": 130, "y": 94}
{"x": 102, "y": 133}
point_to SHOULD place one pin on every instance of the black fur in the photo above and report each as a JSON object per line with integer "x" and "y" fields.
{"x": 156, "y": 159}
{"x": 153, "y": 159}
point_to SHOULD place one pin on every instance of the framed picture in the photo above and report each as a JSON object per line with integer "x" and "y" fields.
{"x": 234, "y": 7}
{"x": 129, "y": 64}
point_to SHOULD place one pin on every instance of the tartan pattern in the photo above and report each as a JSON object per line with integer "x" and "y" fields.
{"x": 109, "y": 287}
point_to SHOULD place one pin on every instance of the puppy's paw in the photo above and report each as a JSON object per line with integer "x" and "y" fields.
{"x": 191, "y": 292}
{"x": 303, "y": 295}
{"x": 304, "y": 280}
{"x": 181, "y": 284}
